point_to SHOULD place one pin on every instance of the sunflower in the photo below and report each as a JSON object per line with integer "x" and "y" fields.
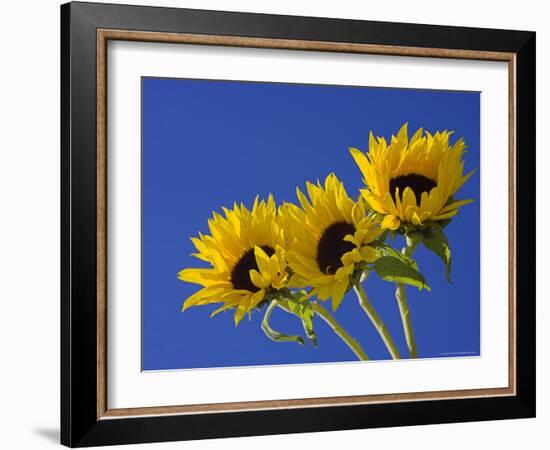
{"x": 328, "y": 238}
{"x": 246, "y": 252}
{"x": 413, "y": 182}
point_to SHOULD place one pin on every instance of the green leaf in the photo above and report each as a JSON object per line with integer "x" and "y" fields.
{"x": 305, "y": 312}
{"x": 435, "y": 240}
{"x": 276, "y": 335}
{"x": 386, "y": 250}
{"x": 395, "y": 269}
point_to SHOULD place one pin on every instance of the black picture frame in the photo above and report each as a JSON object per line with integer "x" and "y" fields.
{"x": 80, "y": 425}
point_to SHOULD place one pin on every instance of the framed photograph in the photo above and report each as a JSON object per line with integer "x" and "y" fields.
{"x": 276, "y": 224}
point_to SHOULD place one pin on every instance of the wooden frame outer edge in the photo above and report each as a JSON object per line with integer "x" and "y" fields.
{"x": 101, "y": 225}
{"x": 281, "y": 44}
{"x": 104, "y": 35}
{"x": 512, "y": 274}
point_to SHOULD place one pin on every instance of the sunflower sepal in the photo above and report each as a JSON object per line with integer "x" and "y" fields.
{"x": 393, "y": 234}
{"x": 443, "y": 223}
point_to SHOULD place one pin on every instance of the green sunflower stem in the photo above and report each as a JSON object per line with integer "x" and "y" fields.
{"x": 401, "y": 297}
{"x": 342, "y": 334}
{"x": 376, "y": 320}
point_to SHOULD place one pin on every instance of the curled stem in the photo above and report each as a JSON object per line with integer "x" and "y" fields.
{"x": 401, "y": 297}
{"x": 376, "y": 320}
{"x": 330, "y": 320}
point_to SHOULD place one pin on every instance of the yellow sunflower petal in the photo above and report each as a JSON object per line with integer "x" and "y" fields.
{"x": 369, "y": 254}
{"x": 446, "y": 215}
{"x": 343, "y": 272}
{"x": 258, "y": 280}
{"x": 256, "y": 298}
{"x": 262, "y": 259}
{"x": 360, "y": 159}
{"x": 338, "y": 293}
{"x": 204, "y": 277}
{"x": 391, "y": 222}
{"x": 455, "y": 205}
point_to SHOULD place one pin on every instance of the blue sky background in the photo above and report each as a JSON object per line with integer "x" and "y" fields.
{"x": 209, "y": 143}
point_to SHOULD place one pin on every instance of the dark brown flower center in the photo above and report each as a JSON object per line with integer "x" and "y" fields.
{"x": 331, "y": 247}
{"x": 418, "y": 184}
{"x": 240, "y": 275}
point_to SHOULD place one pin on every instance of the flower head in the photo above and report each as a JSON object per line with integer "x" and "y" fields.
{"x": 245, "y": 249}
{"x": 328, "y": 237}
{"x": 412, "y": 181}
